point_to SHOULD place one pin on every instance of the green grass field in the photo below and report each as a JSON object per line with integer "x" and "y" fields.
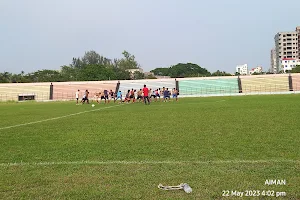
{"x": 124, "y": 151}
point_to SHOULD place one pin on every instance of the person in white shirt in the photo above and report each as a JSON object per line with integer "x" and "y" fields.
{"x": 77, "y": 96}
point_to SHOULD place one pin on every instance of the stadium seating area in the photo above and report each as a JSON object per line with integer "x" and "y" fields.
{"x": 208, "y": 86}
{"x": 11, "y": 91}
{"x": 296, "y": 82}
{"x": 67, "y": 90}
{"x": 265, "y": 83}
{"x": 201, "y": 86}
{"x": 151, "y": 84}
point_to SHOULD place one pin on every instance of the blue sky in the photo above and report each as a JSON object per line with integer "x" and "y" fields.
{"x": 215, "y": 34}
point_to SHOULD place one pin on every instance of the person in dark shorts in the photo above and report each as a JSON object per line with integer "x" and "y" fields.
{"x": 85, "y": 97}
{"x": 127, "y": 97}
{"x": 131, "y": 96}
{"x": 146, "y": 95}
{"x": 140, "y": 95}
{"x": 112, "y": 95}
{"x": 101, "y": 96}
{"x": 105, "y": 95}
{"x": 175, "y": 94}
{"x": 153, "y": 95}
{"x": 158, "y": 93}
{"x": 166, "y": 95}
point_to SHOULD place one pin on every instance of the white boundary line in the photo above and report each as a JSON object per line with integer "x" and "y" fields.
{"x": 145, "y": 162}
{"x": 55, "y": 118}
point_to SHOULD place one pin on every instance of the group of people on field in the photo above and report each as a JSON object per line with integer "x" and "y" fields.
{"x": 145, "y": 94}
{"x": 163, "y": 94}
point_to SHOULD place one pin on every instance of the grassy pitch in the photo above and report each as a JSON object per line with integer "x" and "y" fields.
{"x": 218, "y": 145}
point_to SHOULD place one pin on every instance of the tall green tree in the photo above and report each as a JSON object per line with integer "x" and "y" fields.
{"x": 182, "y": 70}
{"x": 128, "y": 62}
{"x": 91, "y": 66}
{"x": 97, "y": 73}
{"x": 69, "y": 73}
{"x": 161, "y": 71}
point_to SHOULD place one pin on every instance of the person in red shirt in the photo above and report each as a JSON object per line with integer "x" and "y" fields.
{"x": 146, "y": 94}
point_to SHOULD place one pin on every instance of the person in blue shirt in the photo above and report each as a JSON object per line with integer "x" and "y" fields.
{"x": 119, "y": 96}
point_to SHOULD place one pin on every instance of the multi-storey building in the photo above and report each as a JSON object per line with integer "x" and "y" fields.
{"x": 273, "y": 68}
{"x": 298, "y": 31}
{"x": 257, "y": 70}
{"x": 288, "y": 64}
{"x": 286, "y": 46}
{"x": 242, "y": 69}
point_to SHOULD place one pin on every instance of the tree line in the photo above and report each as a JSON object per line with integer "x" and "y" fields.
{"x": 95, "y": 67}
{"x": 91, "y": 67}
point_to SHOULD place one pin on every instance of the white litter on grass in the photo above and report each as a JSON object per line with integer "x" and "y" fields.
{"x": 55, "y": 118}
{"x": 182, "y": 186}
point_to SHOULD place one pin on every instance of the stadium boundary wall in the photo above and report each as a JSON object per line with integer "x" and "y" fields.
{"x": 188, "y": 87}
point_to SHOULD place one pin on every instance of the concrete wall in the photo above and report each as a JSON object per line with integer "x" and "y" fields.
{"x": 259, "y": 84}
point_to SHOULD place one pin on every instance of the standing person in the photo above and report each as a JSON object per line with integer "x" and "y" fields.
{"x": 139, "y": 95}
{"x": 77, "y": 96}
{"x": 149, "y": 94}
{"x": 101, "y": 94}
{"x": 132, "y": 95}
{"x": 83, "y": 98}
{"x": 106, "y": 96}
{"x": 175, "y": 94}
{"x": 157, "y": 92}
{"x": 146, "y": 95}
{"x": 153, "y": 95}
{"x": 112, "y": 95}
{"x": 87, "y": 96}
{"x": 119, "y": 96}
{"x": 162, "y": 92}
{"x": 98, "y": 97}
{"x": 166, "y": 95}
